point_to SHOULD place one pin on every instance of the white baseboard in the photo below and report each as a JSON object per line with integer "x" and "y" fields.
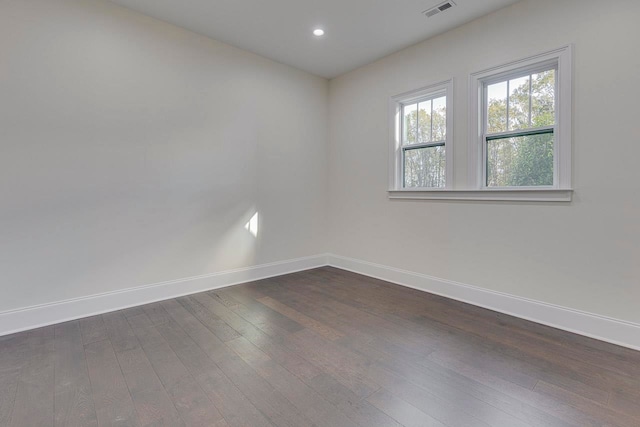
{"x": 47, "y": 314}
{"x": 602, "y": 328}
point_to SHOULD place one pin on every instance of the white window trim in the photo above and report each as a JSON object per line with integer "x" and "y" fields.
{"x": 492, "y": 195}
{"x": 396, "y": 178}
{"x": 475, "y": 190}
{"x": 562, "y": 154}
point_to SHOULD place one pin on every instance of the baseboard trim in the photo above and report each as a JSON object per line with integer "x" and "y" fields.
{"x": 614, "y": 331}
{"x": 23, "y": 319}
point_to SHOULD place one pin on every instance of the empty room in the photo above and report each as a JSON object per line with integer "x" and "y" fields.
{"x": 336, "y": 213}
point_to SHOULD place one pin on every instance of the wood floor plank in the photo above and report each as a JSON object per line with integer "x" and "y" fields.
{"x": 371, "y": 317}
{"x": 260, "y": 316}
{"x": 119, "y": 331}
{"x": 152, "y": 403}
{"x": 272, "y": 345}
{"x": 156, "y": 313}
{"x": 512, "y": 362}
{"x": 193, "y": 405}
{"x": 321, "y": 329}
{"x": 73, "y": 398}
{"x": 15, "y": 352}
{"x": 558, "y": 408}
{"x": 597, "y": 414}
{"x": 502, "y": 401}
{"x": 264, "y": 397}
{"x": 307, "y": 400}
{"x": 132, "y": 311}
{"x": 545, "y": 356}
{"x": 34, "y": 400}
{"x": 224, "y": 300}
{"x": 627, "y": 402}
{"x": 581, "y": 344}
{"x": 408, "y": 415}
{"x": 216, "y": 325}
{"x": 140, "y": 321}
{"x": 318, "y": 348}
{"x": 114, "y": 406}
{"x": 8, "y": 387}
{"x": 353, "y": 327}
{"x": 357, "y": 409}
{"x": 259, "y": 312}
{"x": 575, "y": 381}
{"x": 449, "y": 405}
{"x": 347, "y": 367}
{"x": 93, "y": 329}
{"x": 234, "y": 406}
{"x": 478, "y": 400}
{"x": 354, "y": 324}
{"x": 228, "y": 316}
{"x": 347, "y": 298}
{"x": 520, "y": 372}
{"x": 447, "y": 385}
{"x": 508, "y": 419}
{"x": 487, "y": 324}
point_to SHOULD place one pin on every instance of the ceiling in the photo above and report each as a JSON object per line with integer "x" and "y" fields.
{"x": 357, "y": 31}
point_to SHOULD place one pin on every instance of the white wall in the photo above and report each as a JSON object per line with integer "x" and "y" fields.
{"x": 134, "y": 152}
{"x": 583, "y": 255}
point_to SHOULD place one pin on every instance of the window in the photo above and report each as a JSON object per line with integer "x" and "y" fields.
{"x": 421, "y": 134}
{"x": 519, "y": 121}
{"x": 523, "y": 116}
{"x": 519, "y": 145}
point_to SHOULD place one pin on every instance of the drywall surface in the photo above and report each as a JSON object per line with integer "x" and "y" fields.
{"x": 134, "y": 152}
{"x": 584, "y": 254}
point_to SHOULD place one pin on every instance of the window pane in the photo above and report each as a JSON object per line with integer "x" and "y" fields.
{"x": 425, "y": 167}
{"x": 409, "y": 124}
{"x": 439, "y": 119}
{"x": 543, "y": 88}
{"x": 520, "y": 161}
{"x": 424, "y": 121}
{"x": 497, "y": 107}
{"x": 519, "y": 103}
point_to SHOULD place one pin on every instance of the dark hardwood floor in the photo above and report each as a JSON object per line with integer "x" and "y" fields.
{"x": 323, "y": 348}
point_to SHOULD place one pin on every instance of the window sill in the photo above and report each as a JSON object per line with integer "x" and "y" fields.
{"x": 521, "y": 195}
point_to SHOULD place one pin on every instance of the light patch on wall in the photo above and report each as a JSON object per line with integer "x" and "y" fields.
{"x": 252, "y": 225}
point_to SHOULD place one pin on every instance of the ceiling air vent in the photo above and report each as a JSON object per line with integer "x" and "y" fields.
{"x": 439, "y": 8}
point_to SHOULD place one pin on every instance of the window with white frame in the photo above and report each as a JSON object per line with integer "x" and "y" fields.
{"x": 523, "y": 113}
{"x": 421, "y": 148}
{"x": 519, "y": 135}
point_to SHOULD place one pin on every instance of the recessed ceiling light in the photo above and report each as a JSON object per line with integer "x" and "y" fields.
{"x": 318, "y": 32}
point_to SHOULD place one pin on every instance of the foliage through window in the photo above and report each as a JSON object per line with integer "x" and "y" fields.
{"x": 519, "y": 137}
{"x": 421, "y": 150}
{"x": 424, "y": 130}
